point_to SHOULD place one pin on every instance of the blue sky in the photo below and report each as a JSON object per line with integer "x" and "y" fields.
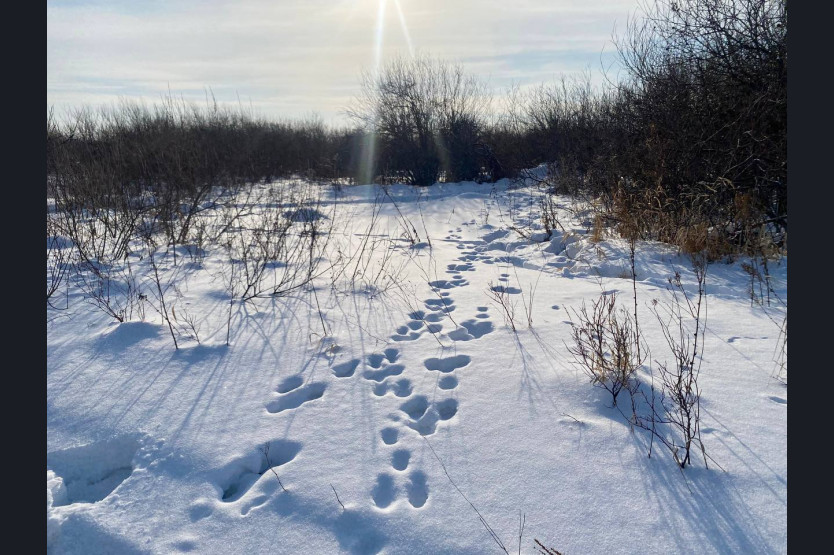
{"x": 292, "y": 58}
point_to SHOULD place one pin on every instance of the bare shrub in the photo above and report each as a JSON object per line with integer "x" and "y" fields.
{"x": 58, "y": 260}
{"x": 277, "y": 246}
{"x": 549, "y": 216}
{"x": 112, "y": 288}
{"x": 781, "y": 354}
{"x": 544, "y": 550}
{"x": 692, "y": 139}
{"x": 369, "y": 264}
{"x": 605, "y": 345}
{"x": 158, "y": 291}
{"x": 680, "y": 394}
{"x": 426, "y": 118}
{"x": 562, "y": 123}
{"x": 501, "y": 297}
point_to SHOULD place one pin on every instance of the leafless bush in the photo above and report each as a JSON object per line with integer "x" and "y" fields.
{"x": 371, "y": 264}
{"x": 502, "y": 299}
{"x": 706, "y": 104}
{"x": 59, "y": 260}
{"x": 781, "y": 354}
{"x": 425, "y": 118}
{"x": 528, "y": 302}
{"x": 693, "y": 139}
{"x": 549, "y": 216}
{"x": 279, "y": 246}
{"x": 680, "y": 394}
{"x": 562, "y": 123}
{"x": 158, "y": 291}
{"x": 606, "y": 345}
{"x": 112, "y": 288}
{"x": 187, "y": 324}
{"x": 409, "y": 231}
{"x": 761, "y": 288}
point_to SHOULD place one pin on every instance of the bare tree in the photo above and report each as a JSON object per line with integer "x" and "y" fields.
{"x": 426, "y": 117}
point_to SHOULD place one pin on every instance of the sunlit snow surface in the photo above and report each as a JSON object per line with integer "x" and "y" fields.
{"x": 407, "y": 391}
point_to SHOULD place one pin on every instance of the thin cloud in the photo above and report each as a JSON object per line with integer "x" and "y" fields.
{"x": 292, "y": 58}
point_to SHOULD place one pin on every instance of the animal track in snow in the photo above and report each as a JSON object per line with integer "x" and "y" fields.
{"x": 472, "y": 329}
{"x": 297, "y": 397}
{"x": 400, "y": 458}
{"x": 375, "y": 360}
{"x": 460, "y": 334}
{"x": 415, "y": 407}
{"x": 388, "y": 355}
{"x": 417, "y": 489}
{"x": 381, "y": 374}
{"x": 402, "y": 388}
{"x": 406, "y": 336}
{"x": 252, "y": 467}
{"x": 424, "y": 417}
{"x": 443, "y": 304}
{"x": 448, "y": 364}
{"x": 391, "y": 354}
{"x": 497, "y": 234}
{"x": 448, "y": 382}
{"x": 440, "y": 284}
{"x": 507, "y": 290}
{"x": 389, "y": 435}
{"x": 345, "y": 369}
{"x": 457, "y": 281}
{"x": 90, "y": 473}
{"x": 465, "y": 267}
{"x": 290, "y": 383}
{"x": 384, "y": 491}
{"x": 447, "y": 409}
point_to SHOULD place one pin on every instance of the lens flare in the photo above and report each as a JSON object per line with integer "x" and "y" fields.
{"x": 369, "y": 142}
{"x": 404, "y": 27}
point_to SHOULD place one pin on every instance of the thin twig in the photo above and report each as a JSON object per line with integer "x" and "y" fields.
{"x": 480, "y": 517}
{"x": 337, "y": 497}
{"x": 265, "y": 451}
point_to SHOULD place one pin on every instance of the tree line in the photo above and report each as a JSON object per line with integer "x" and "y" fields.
{"x": 693, "y": 136}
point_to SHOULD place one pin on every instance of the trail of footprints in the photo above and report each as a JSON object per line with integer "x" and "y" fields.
{"x": 386, "y": 491}
{"x": 292, "y": 393}
{"x": 383, "y": 372}
{"x": 417, "y": 411}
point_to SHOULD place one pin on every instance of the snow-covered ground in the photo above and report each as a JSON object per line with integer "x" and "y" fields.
{"x": 393, "y": 409}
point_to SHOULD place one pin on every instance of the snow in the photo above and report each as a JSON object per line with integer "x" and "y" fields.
{"x": 400, "y": 410}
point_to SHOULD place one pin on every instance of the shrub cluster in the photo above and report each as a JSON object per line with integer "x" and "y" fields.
{"x": 426, "y": 120}
{"x": 689, "y": 148}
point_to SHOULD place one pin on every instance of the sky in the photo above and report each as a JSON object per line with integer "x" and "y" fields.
{"x": 297, "y": 58}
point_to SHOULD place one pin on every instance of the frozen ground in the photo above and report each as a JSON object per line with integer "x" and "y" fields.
{"x": 399, "y": 410}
